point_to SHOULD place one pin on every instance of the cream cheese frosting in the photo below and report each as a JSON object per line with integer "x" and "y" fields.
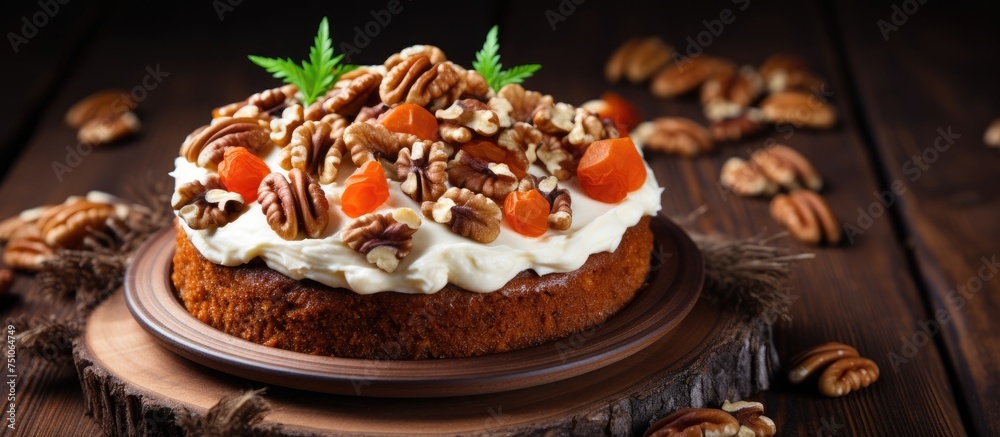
{"x": 438, "y": 257}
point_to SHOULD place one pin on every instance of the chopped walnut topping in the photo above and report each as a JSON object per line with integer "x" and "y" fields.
{"x": 502, "y": 108}
{"x": 522, "y": 138}
{"x": 433, "y": 53}
{"x": 206, "y": 205}
{"x": 347, "y": 101}
{"x": 523, "y": 102}
{"x": 295, "y": 203}
{"x": 560, "y": 203}
{"x": 490, "y": 179}
{"x": 267, "y": 102}
{"x": 471, "y": 114}
{"x": 454, "y": 133}
{"x": 468, "y": 214}
{"x": 422, "y": 170}
{"x": 587, "y": 128}
{"x": 371, "y": 114}
{"x": 369, "y": 142}
{"x": 557, "y": 159}
{"x": 207, "y": 145}
{"x": 384, "y": 239}
{"x": 556, "y": 119}
{"x": 282, "y": 127}
{"x": 317, "y": 148}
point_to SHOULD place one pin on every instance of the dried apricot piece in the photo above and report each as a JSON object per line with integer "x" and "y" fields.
{"x": 527, "y": 212}
{"x": 411, "y": 119}
{"x": 364, "y": 190}
{"x": 610, "y": 169}
{"x": 241, "y": 172}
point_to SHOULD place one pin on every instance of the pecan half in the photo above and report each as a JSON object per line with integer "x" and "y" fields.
{"x": 812, "y": 361}
{"x": 206, "y": 205}
{"x": 467, "y": 214}
{"x": 687, "y": 75}
{"x": 433, "y": 53}
{"x": 384, "y": 239}
{"x": 67, "y": 224}
{"x": 747, "y": 123}
{"x": 523, "y": 139}
{"x": 102, "y": 104}
{"x": 806, "y": 216}
{"x": 783, "y": 72}
{"x": 753, "y": 422}
{"x": 108, "y": 129}
{"x": 695, "y": 422}
{"x": 27, "y": 253}
{"x": 293, "y": 204}
{"x": 786, "y": 167}
{"x": 283, "y": 127}
{"x": 847, "y": 374}
{"x": 798, "y": 109}
{"x": 523, "y": 102}
{"x": 558, "y": 160}
{"x": 317, "y": 148}
{"x": 587, "y": 128}
{"x": 637, "y": 59}
{"x": 369, "y": 142}
{"x": 471, "y": 114}
{"x": 490, "y": 179}
{"x": 348, "y": 100}
{"x": 207, "y": 145}
{"x": 267, "y": 102}
{"x": 728, "y": 94}
{"x": 673, "y": 135}
{"x": 745, "y": 179}
{"x": 554, "y": 118}
{"x": 560, "y": 204}
{"x": 21, "y": 225}
{"x": 422, "y": 170}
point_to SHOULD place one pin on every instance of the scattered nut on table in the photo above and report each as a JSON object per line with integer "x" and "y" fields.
{"x": 673, "y": 135}
{"x": 695, "y": 422}
{"x": 687, "y": 75}
{"x": 839, "y": 367}
{"x": 768, "y": 170}
{"x": 806, "y": 216}
{"x": 637, "y": 59}
{"x": 798, "y": 108}
{"x": 752, "y": 420}
{"x": 782, "y": 72}
{"x": 103, "y": 117}
{"x": 28, "y": 253}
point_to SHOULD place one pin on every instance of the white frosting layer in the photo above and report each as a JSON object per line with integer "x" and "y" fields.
{"x": 439, "y": 256}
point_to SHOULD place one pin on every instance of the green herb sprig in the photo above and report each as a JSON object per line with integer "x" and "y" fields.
{"x": 315, "y": 76}
{"x": 488, "y": 64}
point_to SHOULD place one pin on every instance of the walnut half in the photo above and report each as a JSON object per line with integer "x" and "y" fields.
{"x": 294, "y": 203}
{"x": 468, "y": 214}
{"x": 422, "y": 169}
{"x": 384, "y": 239}
{"x": 490, "y": 179}
{"x": 207, "y": 145}
{"x": 206, "y": 205}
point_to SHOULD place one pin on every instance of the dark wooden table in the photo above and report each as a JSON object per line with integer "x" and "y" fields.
{"x": 910, "y": 292}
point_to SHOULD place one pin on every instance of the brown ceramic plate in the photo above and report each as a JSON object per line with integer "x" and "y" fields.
{"x": 673, "y": 289}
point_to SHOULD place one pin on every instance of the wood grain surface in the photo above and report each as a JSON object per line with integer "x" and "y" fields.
{"x": 935, "y": 71}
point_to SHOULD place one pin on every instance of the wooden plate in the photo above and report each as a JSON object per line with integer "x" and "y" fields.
{"x": 672, "y": 291}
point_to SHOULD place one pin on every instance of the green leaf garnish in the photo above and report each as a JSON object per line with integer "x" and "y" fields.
{"x": 488, "y": 64}
{"x": 315, "y": 76}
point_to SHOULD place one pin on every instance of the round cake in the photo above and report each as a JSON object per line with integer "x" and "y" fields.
{"x": 409, "y": 212}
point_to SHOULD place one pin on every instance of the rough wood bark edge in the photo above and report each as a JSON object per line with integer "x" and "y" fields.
{"x": 737, "y": 363}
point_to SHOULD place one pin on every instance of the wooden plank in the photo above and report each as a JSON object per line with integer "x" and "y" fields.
{"x": 863, "y": 294}
{"x": 934, "y": 74}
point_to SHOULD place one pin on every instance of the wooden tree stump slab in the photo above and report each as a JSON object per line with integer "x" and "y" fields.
{"x": 135, "y": 386}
